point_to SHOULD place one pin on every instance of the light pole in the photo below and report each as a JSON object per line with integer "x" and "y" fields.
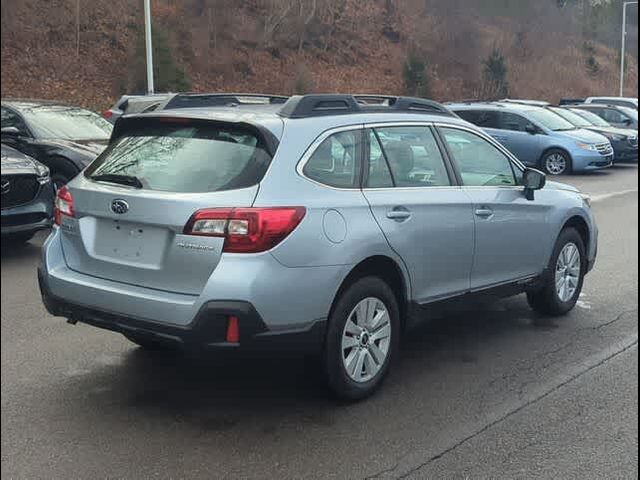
{"x": 623, "y": 52}
{"x": 149, "y": 45}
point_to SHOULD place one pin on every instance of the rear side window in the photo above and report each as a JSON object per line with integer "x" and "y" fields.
{"x": 405, "y": 157}
{"x": 334, "y": 163}
{"x": 198, "y": 157}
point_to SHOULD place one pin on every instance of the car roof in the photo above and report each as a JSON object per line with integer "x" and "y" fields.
{"x": 274, "y": 117}
{"x": 495, "y": 106}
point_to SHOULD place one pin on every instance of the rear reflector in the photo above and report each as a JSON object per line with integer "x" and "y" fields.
{"x": 233, "y": 330}
{"x": 246, "y": 230}
{"x": 63, "y": 205}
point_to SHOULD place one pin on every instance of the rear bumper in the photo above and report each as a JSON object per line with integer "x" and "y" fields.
{"x": 34, "y": 216}
{"x": 207, "y": 330}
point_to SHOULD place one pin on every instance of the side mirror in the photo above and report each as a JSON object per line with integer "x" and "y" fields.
{"x": 533, "y": 180}
{"x": 10, "y": 132}
{"x": 532, "y": 129}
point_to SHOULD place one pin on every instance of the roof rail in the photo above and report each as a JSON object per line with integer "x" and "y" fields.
{"x": 531, "y": 103}
{"x": 572, "y": 101}
{"x": 319, "y": 105}
{"x": 204, "y": 100}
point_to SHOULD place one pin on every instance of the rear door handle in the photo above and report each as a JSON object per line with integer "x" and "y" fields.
{"x": 484, "y": 212}
{"x": 399, "y": 214}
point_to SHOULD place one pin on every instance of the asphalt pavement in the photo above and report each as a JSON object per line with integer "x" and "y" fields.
{"x": 488, "y": 393}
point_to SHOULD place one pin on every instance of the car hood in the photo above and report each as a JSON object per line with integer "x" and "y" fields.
{"x": 611, "y": 131}
{"x": 15, "y": 163}
{"x": 585, "y": 136}
{"x": 89, "y": 148}
{"x": 561, "y": 186}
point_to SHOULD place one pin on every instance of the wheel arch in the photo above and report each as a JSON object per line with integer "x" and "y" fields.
{"x": 388, "y": 270}
{"x": 555, "y": 148}
{"x": 581, "y": 225}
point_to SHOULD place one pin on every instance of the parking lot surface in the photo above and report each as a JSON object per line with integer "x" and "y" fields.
{"x": 486, "y": 393}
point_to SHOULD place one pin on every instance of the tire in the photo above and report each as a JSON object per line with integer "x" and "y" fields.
{"x": 371, "y": 350}
{"x": 549, "y": 300}
{"x": 150, "y": 344}
{"x": 62, "y": 172}
{"x": 557, "y": 162}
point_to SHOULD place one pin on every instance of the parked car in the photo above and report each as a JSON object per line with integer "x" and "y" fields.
{"x": 624, "y": 142}
{"x": 620, "y": 117}
{"x": 27, "y": 196}
{"x": 619, "y": 101}
{"x": 539, "y": 137}
{"x": 64, "y": 138}
{"x": 325, "y": 225}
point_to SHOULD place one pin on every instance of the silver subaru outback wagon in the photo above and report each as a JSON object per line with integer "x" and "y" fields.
{"x": 321, "y": 225}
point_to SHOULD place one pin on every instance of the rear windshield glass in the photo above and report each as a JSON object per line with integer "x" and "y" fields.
{"x": 186, "y": 158}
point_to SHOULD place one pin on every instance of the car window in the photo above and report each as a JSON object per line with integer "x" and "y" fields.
{"x": 12, "y": 119}
{"x": 334, "y": 163}
{"x": 591, "y": 117}
{"x": 379, "y": 174}
{"x": 198, "y": 157}
{"x": 480, "y": 163}
{"x": 612, "y": 115}
{"x": 69, "y": 123}
{"x": 515, "y": 122}
{"x": 481, "y": 118}
{"x": 412, "y": 155}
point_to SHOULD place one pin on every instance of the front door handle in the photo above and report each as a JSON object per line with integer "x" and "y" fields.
{"x": 484, "y": 212}
{"x": 399, "y": 214}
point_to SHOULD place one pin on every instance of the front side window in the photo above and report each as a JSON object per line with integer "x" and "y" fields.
{"x": 480, "y": 163}
{"x": 334, "y": 163}
{"x": 406, "y": 157}
{"x": 197, "y": 157}
{"x": 515, "y": 123}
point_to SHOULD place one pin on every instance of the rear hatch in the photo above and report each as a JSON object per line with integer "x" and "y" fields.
{"x": 131, "y": 206}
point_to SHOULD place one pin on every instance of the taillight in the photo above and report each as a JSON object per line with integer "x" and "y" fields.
{"x": 63, "y": 205}
{"x": 107, "y": 114}
{"x": 246, "y": 230}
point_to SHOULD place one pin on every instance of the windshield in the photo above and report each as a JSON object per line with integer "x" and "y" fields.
{"x": 67, "y": 123}
{"x": 630, "y": 112}
{"x": 591, "y": 117}
{"x": 550, "y": 120}
{"x": 575, "y": 119}
{"x": 194, "y": 157}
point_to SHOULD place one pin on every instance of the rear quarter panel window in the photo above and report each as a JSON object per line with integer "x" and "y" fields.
{"x": 335, "y": 162}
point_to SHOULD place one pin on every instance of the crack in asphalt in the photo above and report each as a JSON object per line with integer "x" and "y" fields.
{"x": 509, "y": 414}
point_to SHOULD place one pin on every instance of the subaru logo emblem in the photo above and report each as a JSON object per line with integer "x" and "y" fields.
{"x": 119, "y": 207}
{"x": 5, "y": 186}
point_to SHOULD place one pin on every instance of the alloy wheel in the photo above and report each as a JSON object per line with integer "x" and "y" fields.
{"x": 568, "y": 271}
{"x": 366, "y": 340}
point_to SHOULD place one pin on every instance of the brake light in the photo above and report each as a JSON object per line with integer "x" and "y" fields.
{"x": 107, "y": 114}
{"x": 246, "y": 230}
{"x": 63, "y": 205}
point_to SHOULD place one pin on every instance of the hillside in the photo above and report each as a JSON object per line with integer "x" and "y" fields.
{"x": 286, "y": 46}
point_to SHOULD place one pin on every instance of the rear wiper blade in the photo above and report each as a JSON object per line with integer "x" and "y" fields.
{"x": 127, "y": 180}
